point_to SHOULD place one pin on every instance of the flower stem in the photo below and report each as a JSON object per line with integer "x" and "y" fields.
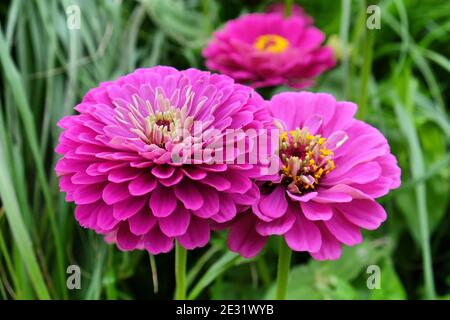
{"x": 365, "y": 73}
{"x": 288, "y": 8}
{"x": 284, "y": 264}
{"x": 180, "y": 272}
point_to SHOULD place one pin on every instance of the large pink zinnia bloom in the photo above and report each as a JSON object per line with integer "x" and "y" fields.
{"x": 332, "y": 168}
{"x": 267, "y": 49}
{"x": 117, "y": 161}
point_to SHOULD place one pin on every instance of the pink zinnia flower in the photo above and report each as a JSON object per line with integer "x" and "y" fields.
{"x": 118, "y": 166}
{"x": 267, "y": 49}
{"x": 332, "y": 168}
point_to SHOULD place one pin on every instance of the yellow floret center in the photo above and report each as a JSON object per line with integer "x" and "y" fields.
{"x": 305, "y": 160}
{"x": 272, "y": 43}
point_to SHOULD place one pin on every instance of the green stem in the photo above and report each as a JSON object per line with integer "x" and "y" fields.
{"x": 344, "y": 30}
{"x": 180, "y": 272}
{"x": 288, "y": 8}
{"x": 365, "y": 73}
{"x": 284, "y": 264}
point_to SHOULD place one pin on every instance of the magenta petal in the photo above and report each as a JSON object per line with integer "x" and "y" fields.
{"x": 129, "y": 207}
{"x": 362, "y": 173}
{"x": 157, "y": 242}
{"x": 249, "y": 198}
{"x": 162, "y": 202}
{"x": 304, "y": 235}
{"x": 316, "y": 211}
{"x": 87, "y": 194}
{"x": 216, "y": 181}
{"x": 366, "y": 214}
{"x": 210, "y": 204}
{"x": 188, "y": 193}
{"x": 239, "y": 182}
{"x": 275, "y": 204}
{"x": 302, "y": 198}
{"x": 84, "y": 211}
{"x": 330, "y": 249}
{"x": 126, "y": 240}
{"x": 243, "y": 238}
{"x": 142, "y": 222}
{"x": 142, "y": 185}
{"x": 105, "y": 218}
{"x": 313, "y": 123}
{"x": 332, "y": 197}
{"x": 123, "y": 174}
{"x": 227, "y": 209}
{"x": 163, "y": 172}
{"x": 194, "y": 173}
{"x": 278, "y": 226}
{"x": 336, "y": 139}
{"x": 176, "y": 223}
{"x": 197, "y": 234}
{"x": 343, "y": 230}
{"x": 176, "y": 177}
{"x": 114, "y": 192}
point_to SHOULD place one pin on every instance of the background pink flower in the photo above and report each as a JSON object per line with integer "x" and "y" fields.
{"x": 267, "y": 49}
{"x": 333, "y": 169}
{"x": 117, "y": 157}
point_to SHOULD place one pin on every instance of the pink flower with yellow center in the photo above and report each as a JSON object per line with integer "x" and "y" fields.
{"x": 332, "y": 167}
{"x": 267, "y": 49}
{"x": 120, "y": 167}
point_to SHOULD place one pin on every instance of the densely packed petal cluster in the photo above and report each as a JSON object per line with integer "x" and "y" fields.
{"x": 332, "y": 168}
{"x": 118, "y": 162}
{"x": 268, "y": 49}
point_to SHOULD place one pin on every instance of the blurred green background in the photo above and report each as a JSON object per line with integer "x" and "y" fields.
{"x": 399, "y": 76}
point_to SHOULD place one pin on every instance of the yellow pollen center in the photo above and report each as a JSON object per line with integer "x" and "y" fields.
{"x": 305, "y": 159}
{"x": 272, "y": 43}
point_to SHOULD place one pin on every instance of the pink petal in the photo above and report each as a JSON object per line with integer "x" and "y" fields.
{"x": 142, "y": 185}
{"x": 142, "y": 222}
{"x": 188, "y": 193}
{"x": 343, "y": 230}
{"x": 123, "y": 174}
{"x": 330, "y": 249}
{"x": 210, "y": 204}
{"x": 227, "y": 209}
{"x": 313, "y": 123}
{"x": 114, "y": 192}
{"x": 216, "y": 181}
{"x": 325, "y": 196}
{"x": 304, "y": 235}
{"x": 194, "y": 173}
{"x": 162, "y": 171}
{"x": 126, "y": 240}
{"x": 275, "y": 204}
{"x": 176, "y": 223}
{"x": 316, "y": 211}
{"x": 243, "y": 238}
{"x": 157, "y": 242}
{"x": 197, "y": 234}
{"x": 87, "y": 194}
{"x": 302, "y": 198}
{"x": 278, "y": 226}
{"x": 366, "y": 214}
{"x": 128, "y": 207}
{"x": 105, "y": 218}
{"x": 162, "y": 202}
